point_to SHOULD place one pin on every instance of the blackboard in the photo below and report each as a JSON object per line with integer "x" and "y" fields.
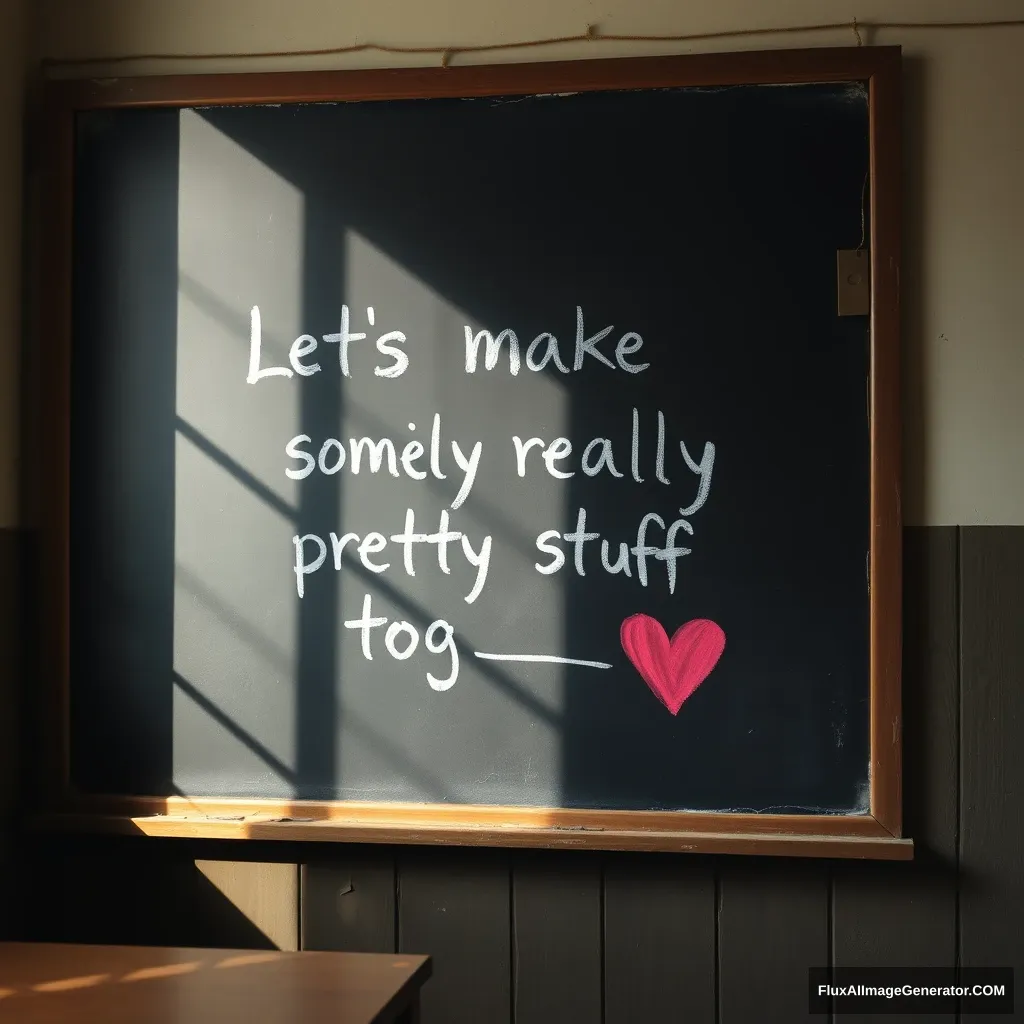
{"x": 404, "y": 433}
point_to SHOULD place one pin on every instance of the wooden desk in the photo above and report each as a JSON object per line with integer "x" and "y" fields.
{"x": 42, "y": 983}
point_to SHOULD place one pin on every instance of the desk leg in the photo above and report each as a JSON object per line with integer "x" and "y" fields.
{"x": 411, "y": 1014}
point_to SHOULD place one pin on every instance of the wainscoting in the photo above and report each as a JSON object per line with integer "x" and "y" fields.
{"x": 524, "y": 937}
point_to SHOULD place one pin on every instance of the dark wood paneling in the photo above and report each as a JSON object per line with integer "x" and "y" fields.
{"x": 905, "y": 914}
{"x": 114, "y": 892}
{"x": 772, "y": 926}
{"x": 11, "y": 651}
{"x": 239, "y": 895}
{"x": 886, "y": 918}
{"x": 348, "y": 904}
{"x": 659, "y": 930}
{"x": 263, "y": 895}
{"x": 992, "y": 750}
{"x": 137, "y": 891}
{"x": 556, "y": 939}
{"x": 455, "y": 905}
{"x": 931, "y": 693}
{"x": 659, "y": 939}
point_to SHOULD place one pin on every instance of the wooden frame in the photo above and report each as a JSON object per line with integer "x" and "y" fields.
{"x": 877, "y": 835}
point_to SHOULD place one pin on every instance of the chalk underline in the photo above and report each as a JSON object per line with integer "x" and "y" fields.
{"x": 553, "y": 658}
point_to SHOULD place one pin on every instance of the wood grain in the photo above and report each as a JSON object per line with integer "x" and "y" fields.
{"x": 46, "y": 984}
{"x": 886, "y": 433}
{"x": 905, "y": 915}
{"x": 833, "y": 64}
{"x": 455, "y": 906}
{"x": 134, "y": 891}
{"x": 773, "y": 926}
{"x": 460, "y": 832}
{"x": 556, "y": 937}
{"x": 992, "y": 754}
{"x": 351, "y": 813}
{"x": 266, "y": 895}
{"x": 659, "y": 939}
{"x": 348, "y": 902}
{"x": 12, "y": 616}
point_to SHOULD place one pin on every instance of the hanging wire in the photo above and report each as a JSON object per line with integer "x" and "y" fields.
{"x": 591, "y": 34}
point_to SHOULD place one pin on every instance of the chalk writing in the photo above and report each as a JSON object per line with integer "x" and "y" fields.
{"x": 658, "y": 539}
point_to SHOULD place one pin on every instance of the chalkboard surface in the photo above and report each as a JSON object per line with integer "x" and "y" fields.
{"x": 371, "y": 400}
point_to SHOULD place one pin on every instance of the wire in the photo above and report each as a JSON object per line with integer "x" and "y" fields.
{"x": 592, "y": 34}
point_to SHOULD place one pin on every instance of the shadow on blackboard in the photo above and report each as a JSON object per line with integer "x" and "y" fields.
{"x": 759, "y": 734}
{"x": 121, "y": 737}
{"x": 513, "y": 241}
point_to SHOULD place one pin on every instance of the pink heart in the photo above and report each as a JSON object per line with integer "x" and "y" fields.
{"x": 672, "y": 669}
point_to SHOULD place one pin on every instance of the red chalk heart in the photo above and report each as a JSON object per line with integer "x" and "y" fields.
{"x": 672, "y": 669}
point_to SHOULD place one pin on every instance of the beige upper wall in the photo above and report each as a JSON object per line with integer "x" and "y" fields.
{"x": 964, "y": 265}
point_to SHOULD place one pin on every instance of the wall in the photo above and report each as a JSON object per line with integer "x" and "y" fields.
{"x": 14, "y": 48}
{"x": 965, "y": 159}
{"x": 532, "y": 937}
